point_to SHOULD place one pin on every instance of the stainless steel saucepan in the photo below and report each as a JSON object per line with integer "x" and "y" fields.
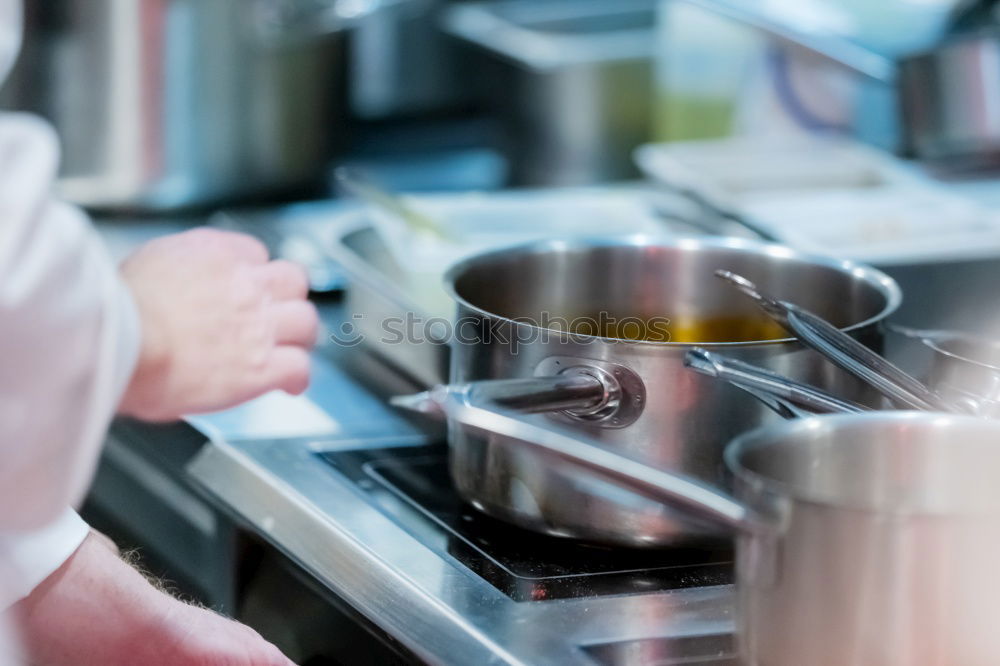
{"x": 863, "y": 539}
{"x": 515, "y": 312}
{"x": 965, "y": 368}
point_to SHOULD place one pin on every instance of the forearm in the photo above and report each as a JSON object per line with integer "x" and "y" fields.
{"x": 105, "y": 609}
{"x": 98, "y": 610}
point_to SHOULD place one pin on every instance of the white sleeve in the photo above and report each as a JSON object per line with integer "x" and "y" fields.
{"x": 28, "y": 558}
{"x": 69, "y": 335}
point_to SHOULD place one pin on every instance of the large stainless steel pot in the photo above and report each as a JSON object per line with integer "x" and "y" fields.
{"x": 169, "y": 103}
{"x": 864, "y": 539}
{"x": 887, "y": 537}
{"x": 636, "y": 397}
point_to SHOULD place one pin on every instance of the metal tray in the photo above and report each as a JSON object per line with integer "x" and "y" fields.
{"x": 380, "y": 295}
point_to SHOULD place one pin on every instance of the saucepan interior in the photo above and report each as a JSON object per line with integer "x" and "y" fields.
{"x": 550, "y": 283}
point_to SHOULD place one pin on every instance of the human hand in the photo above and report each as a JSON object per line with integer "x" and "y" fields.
{"x": 96, "y": 610}
{"x": 220, "y": 324}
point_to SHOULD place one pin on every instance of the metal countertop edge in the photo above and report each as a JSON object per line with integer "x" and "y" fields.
{"x": 344, "y": 558}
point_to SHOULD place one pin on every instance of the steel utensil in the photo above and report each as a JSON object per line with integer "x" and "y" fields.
{"x": 354, "y": 182}
{"x": 861, "y": 538}
{"x": 516, "y": 309}
{"x": 712, "y": 214}
{"x": 787, "y": 397}
{"x": 847, "y": 353}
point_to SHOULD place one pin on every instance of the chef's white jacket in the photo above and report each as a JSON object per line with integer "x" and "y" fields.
{"x": 69, "y": 337}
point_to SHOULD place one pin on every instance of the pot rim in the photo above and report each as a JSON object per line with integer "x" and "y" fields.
{"x": 777, "y": 434}
{"x": 881, "y": 281}
{"x": 935, "y": 346}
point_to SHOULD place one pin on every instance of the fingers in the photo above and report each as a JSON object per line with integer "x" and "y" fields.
{"x": 285, "y": 281}
{"x": 287, "y": 369}
{"x": 296, "y": 323}
{"x": 204, "y": 637}
{"x": 270, "y": 655}
{"x": 258, "y": 650}
{"x": 246, "y": 247}
{"x": 243, "y": 247}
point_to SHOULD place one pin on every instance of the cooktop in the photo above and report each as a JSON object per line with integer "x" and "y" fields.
{"x": 411, "y": 485}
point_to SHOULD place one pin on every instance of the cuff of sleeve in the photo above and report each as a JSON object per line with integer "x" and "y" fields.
{"x": 129, "y": 339}
{"x": 28, "y": 558}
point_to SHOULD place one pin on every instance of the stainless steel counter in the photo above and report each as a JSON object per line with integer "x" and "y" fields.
{"x": 439, "y": 609}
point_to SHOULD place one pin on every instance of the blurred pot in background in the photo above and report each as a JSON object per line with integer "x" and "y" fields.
{"x": 401, "y": 64}
{"x": 571, "y": 82}
{"x": 949, "y": 96}
{"x": 169, "y": 103}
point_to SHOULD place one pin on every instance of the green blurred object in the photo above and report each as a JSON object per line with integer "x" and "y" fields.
{"x": 683, "y": 118}
{"x": 702, "y": 65}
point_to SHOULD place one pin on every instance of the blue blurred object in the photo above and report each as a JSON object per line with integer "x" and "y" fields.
{"x": 440, "y": 171}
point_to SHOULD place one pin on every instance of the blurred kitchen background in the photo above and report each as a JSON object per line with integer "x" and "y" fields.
{"x": 868, "y": 130}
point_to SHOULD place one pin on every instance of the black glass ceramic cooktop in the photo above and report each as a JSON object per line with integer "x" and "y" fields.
{"x": 412, "y": 486}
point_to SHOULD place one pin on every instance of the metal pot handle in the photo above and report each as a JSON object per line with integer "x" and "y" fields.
{"x": 679, "y": 491}
{"x": 537, "y": 395}
{"x": 611, "y": 397}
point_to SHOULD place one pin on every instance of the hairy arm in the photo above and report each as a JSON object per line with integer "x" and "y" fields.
{"x": 98, "y": 610}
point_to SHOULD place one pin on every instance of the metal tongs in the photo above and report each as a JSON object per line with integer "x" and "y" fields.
{"x": 847, "y": 353}
{"x": 787, "y": 397}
